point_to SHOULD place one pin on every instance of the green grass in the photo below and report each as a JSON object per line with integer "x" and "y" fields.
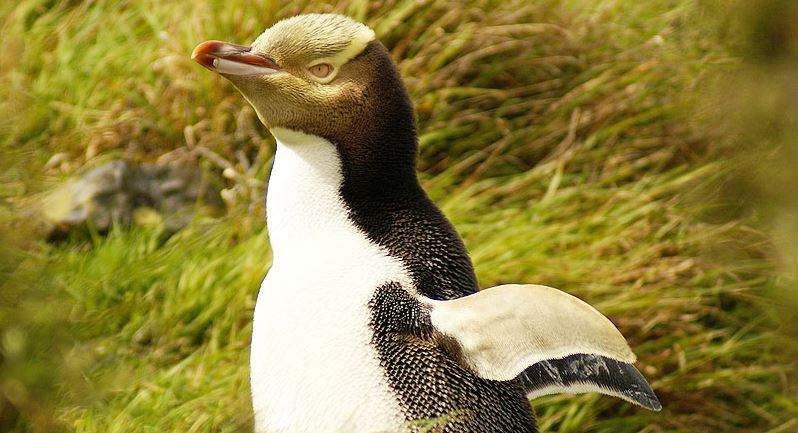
{"x": 574, "y": 144}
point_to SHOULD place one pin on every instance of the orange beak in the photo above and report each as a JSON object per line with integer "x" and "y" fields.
{"x": 231, "y": 59}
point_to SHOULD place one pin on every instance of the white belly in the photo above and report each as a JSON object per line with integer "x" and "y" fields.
{"x": 313, "y": 368}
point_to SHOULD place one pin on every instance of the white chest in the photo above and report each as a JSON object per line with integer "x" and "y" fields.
{"x": 313, "y": 368}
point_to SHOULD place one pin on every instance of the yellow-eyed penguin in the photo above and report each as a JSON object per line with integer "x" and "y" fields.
{"x": 370, "y": 316}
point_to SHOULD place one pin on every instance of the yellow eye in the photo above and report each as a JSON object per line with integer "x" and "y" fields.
{"x": 321, "y": 70}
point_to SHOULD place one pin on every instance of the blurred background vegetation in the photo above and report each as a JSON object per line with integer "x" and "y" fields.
{"x": 640, "y": 155}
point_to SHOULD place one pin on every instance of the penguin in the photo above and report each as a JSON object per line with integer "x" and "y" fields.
{"x": 370, "y": 317}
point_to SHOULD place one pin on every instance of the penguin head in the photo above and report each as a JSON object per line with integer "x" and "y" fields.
{"x": 317, "y": 73}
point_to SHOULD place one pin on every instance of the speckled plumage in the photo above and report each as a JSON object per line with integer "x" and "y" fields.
{"x": 429, "y": 383}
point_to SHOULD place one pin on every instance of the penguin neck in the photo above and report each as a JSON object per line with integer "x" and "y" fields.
{"x": 317, "y": 204}
{"x": 379, "y": 164}
{"x": 306, "y": 205}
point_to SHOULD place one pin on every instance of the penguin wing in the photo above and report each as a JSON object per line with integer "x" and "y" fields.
{"x": 552, "y": 341}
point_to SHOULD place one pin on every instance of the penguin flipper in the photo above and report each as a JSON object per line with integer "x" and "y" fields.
{"x": 581, "y": 373}
{"x": 552, "y": 341}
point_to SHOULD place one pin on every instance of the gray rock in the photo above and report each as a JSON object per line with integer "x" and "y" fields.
{"x": 123, "y": 192}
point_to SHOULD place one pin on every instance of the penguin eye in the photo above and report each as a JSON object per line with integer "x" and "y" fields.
{"x": 321, "y": 70}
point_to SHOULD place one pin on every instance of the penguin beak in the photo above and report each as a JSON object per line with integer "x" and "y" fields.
{"x": 230, "y": 59}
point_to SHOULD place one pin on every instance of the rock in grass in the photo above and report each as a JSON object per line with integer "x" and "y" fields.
{"x": 124, "y": 193}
